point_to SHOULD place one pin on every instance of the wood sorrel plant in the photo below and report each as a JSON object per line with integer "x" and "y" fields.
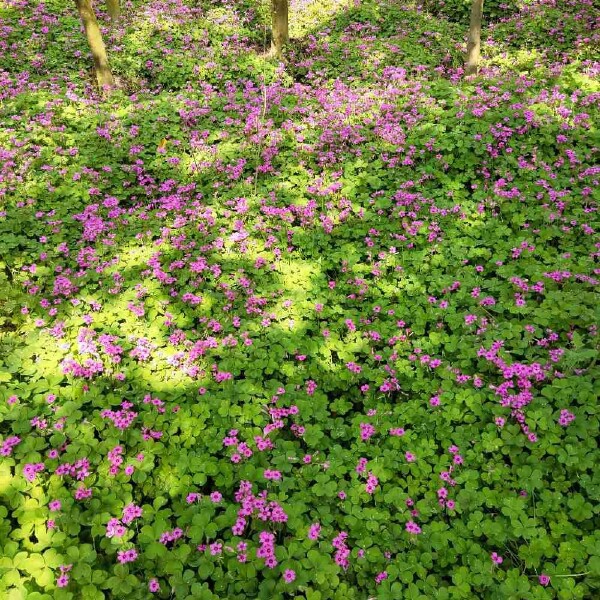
{"x": 324, "y": 328}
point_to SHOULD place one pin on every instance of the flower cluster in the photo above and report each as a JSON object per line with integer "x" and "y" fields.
{"x": 8, "y": 444}
{"x": 30, "y": 470}
{"x": 266, "y": 549}
{"x": 367, "y": 431}
{"x": 372, "y": 483}
{"x": 63, "y": 579}
{"x": 566, "y": 417}
{"x": 342, "y": 552}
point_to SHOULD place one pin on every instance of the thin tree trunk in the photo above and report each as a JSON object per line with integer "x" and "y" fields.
{"x": 474, "y": 41}
{"x": 279, "y": 27}
{"x": 94, "y": 37}
{"x": 114, "y": 9}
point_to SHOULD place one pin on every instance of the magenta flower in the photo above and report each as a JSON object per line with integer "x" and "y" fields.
{"x": 127, "y": 556}
{"x": 544, "y": 579}
{"x": 154, "y": 586}
{"x": 314, "y": 531}
{"x": 372, "y": 483}
{"x": 413, "y": 528}
{"x": 366, "y": 431}
{"x": 397, "y": 431}
{"x": 131, "y": 512}
{"x": 82, "y": 493}
{"x": 381, "y": 577}
{"x": 30, "y": 470}
{"x": 565, "y": 418}
{"x": 271, "y": 562}
{"x": 289, "y": 575}
{"x": 496, "y": 558}
{"x": 114, "y": 528}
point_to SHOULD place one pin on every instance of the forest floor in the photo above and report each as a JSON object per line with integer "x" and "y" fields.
{"x": 321, "y": 328}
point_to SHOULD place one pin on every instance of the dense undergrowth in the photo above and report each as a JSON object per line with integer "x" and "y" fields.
{"x": 319, "y": 329}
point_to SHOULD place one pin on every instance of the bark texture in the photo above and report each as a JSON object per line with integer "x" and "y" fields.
{"x": 279, "y": 26}
{"x": 114, "y": 9}
{"x": 94, "y": 37}
{"x": 474, "y": 41}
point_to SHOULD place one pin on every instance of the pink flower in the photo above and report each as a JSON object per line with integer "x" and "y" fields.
{"x": 62, "y": 581}
{"x": 381, "y": 576}
{"x": 342, "y": 550}
{"x": 372, "y": 483}
{"x": 30, "y": 470}
{"x": 413, "y": 528}
{"x": 54, "y": 505}
{"x": 131, "y": 512}
{"x": 314, "y": 531}
{"x": 496, "y": 558}
{"x": 565, "y": 418}
{"x": 271, "y": 562}
{"x": 114, "y": 528}
{"x": 216, "y": 497}
{"x": 289, "y": 575}
{"x": 544, "y": 579}
{"x": 126, "y": 556}
{"x": 153, "y": 586}
{"x": 366, "y": 431}
{"x": 410, "y": 457}
{"x": 362, "y": 465}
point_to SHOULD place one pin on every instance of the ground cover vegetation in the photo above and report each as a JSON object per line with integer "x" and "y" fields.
{"x": 318, "y": 323}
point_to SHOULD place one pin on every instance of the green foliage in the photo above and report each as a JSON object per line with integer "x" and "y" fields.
{"x": 330, "y": 199}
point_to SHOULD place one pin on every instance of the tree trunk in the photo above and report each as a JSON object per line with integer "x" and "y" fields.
{"x": 94, "y": 37}
{"x": 279, "y": 27}
{"x": 114, "y": 9}
{"x": 474, "y": 41}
